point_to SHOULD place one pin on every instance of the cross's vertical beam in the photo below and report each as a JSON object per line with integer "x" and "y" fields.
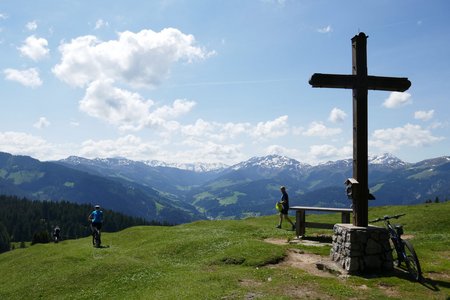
{"x": 360, "y": 130}
{"x": 360, "y": 83}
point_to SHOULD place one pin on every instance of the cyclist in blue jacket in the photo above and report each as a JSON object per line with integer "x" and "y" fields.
{"x": 96, "y": 219}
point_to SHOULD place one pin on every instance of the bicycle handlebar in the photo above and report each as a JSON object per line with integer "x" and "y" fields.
{"x": 385, "y": 218}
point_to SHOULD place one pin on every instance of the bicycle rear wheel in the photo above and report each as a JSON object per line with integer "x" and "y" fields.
{"x": 97, "y": 238}
{"x": 411, "y": 260}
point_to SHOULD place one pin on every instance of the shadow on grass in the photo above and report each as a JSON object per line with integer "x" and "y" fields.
{"x": 434, "y": 284}
{"x": 431, "y": 284}
{"x": 326, "y": 239}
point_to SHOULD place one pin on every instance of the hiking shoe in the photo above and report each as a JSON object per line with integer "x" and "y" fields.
{"x": 279, "y": 226}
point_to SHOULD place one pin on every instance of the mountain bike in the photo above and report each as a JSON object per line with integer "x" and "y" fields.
{"x": 96, "y": 234}
{"x": 404, "y": 250}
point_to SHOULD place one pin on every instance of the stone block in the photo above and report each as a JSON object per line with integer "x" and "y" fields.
{"x": 351, "y": 264}
{"x": 372, "y": 262}
{"x": 373, "y": 247}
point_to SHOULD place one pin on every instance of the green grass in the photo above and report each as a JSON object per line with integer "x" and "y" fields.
{"x": 219, "y": 260}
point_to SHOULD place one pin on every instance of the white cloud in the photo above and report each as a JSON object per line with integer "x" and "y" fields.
{"x": 397, "y": 99}
{"x": 424, "y": 115}
{"x": 323, "y": 150}
{"x": 329, "y": 152}
{"x": 35, "y": 48}
{"x": 337, "y": 115}
{"x": 214, "y": 141}
{"x": 129, "y": 146}
{"x": 140, "y": 59}
{"x": 32, "y": 26}
{"x": 189, "y": 150}
{"x": 29, "y": 77}
{"x": 326, "y": 29}
{"x": 208, "y": 151}
{"x": 178, "y": 108}
{"x": 234, "y": 130}
{"x": 200, "y": 128}
{"x": 133, "y": 60}
{"x": 24, "y": 144}
{"x": 126, "y": 109}
{"x": 320, "y": 130}
{"x": 42, "y": 123}
{"x": 436, "y": 125}
{"x": 117, "y": 106}
{"x": 271, "y": 129}
{"x": 281, "y": 150}
{"x": 391, "y": 139}
{"x": 101, "y": 23}
{"x": 222, "y": 131}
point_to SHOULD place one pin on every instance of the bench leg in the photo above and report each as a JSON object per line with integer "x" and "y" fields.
{"x": 345, "y": 217}
{"x": 300, "y": 223}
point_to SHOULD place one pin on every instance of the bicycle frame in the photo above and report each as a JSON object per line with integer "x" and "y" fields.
{"x": 396, "y": 240}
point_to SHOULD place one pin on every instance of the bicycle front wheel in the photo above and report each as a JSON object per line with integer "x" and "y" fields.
{"x": 411, "y": 260}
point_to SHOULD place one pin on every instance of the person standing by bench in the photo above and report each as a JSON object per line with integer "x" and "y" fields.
{"x": 284, "y": 212}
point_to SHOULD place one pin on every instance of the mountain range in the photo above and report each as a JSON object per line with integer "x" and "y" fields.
{"x": 182, "y": 193}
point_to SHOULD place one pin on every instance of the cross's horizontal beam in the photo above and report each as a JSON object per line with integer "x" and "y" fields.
{"x": 332, "y": 81}
{"x": 396, "y": 84}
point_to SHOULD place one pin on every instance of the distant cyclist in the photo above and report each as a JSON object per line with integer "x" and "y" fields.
{"x": 96, "y": 218}
{"x": 56, "y": 234}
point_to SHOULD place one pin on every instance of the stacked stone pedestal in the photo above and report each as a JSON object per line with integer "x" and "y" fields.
{"x": 361, "y": 249}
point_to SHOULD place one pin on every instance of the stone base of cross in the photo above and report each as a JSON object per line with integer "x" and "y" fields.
{"x": 361, "y": 249}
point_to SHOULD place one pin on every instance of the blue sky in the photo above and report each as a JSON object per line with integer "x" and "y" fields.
{"x": 218, "y": 81}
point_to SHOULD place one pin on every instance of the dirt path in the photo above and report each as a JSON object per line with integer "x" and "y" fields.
{"x": 312, "y": 263}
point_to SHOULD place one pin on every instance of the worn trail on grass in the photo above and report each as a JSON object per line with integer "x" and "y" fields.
{"x": 312, "y": 263}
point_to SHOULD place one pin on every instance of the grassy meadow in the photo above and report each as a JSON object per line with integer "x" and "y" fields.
{"x": 221, "y": 260}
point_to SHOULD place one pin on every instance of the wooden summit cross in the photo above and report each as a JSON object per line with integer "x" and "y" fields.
{"x": 360, "y": 82}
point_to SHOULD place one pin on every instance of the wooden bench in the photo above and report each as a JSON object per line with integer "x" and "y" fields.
{"x": 300, "y": 217}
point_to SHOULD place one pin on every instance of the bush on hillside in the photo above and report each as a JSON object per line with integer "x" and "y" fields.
{"x": 41, "y": 237}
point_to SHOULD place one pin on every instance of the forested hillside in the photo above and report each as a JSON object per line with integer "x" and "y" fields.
{"x": 23, "y": 218}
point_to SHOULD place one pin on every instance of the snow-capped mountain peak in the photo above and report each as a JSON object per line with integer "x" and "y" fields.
{"x": 270, "y": 162}
{"x": 195, "y": 167}
{"x": 386, "y": 159}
